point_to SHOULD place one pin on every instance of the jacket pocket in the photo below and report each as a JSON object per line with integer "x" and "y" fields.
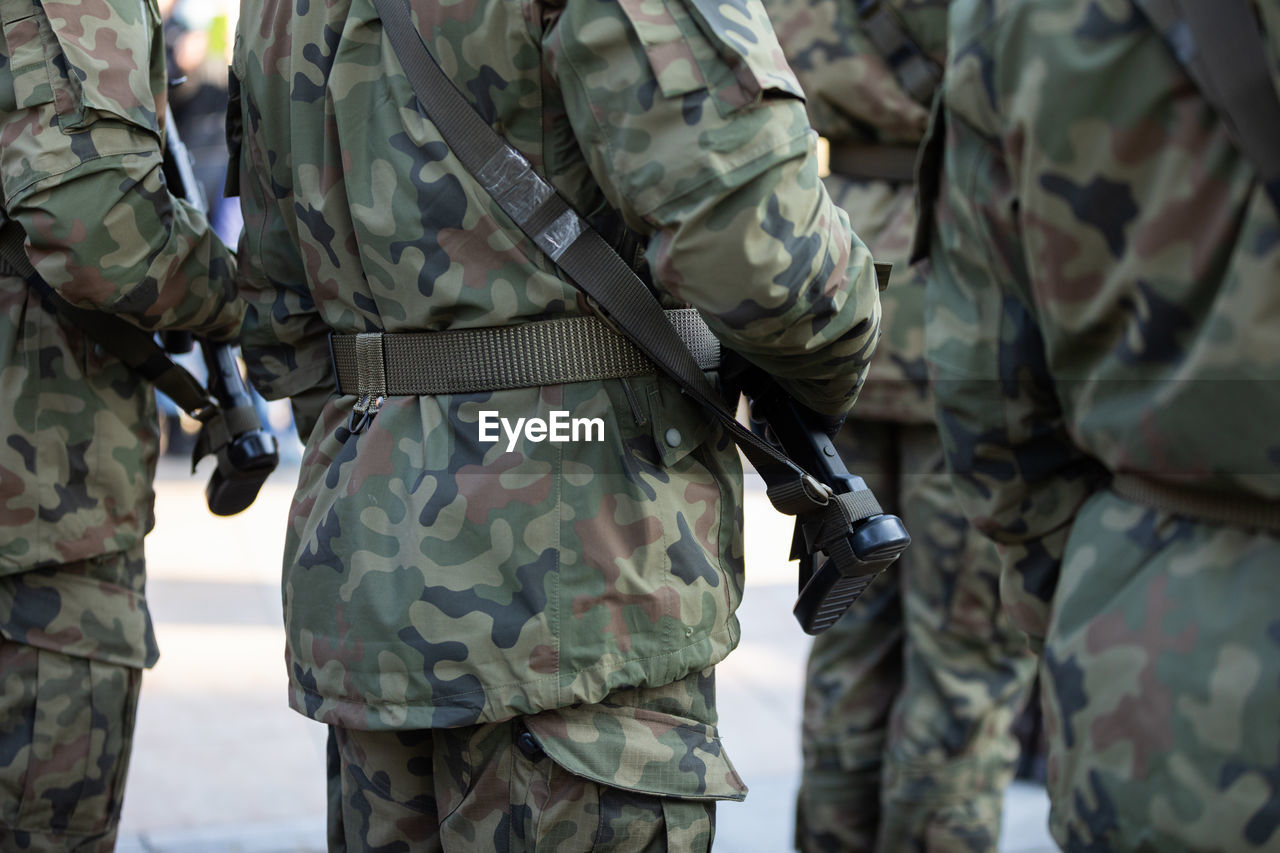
{"x": 693, "y": 46}
{"x": 79, "y": 735}
{"x": 87, "y": 67}
{"x": 747, "y": 46}
{"x": 31, "y": 46}
{"x": 677, "y": 424}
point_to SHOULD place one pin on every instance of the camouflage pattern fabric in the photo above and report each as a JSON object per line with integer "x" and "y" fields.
{"x": 540, "y": 782}
{"x": 910, "y": 697}
{"x": 1103, "y": 300}
{"x": 928, "y": 638}
{"x": 66, "y": 729}
{"x": 854, "y": 98}
{"x": 435, "y": 580}
{"x": 82, "y": 87}
{"x": 92, "y": 608}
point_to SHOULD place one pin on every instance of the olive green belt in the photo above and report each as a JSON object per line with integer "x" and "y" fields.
{"x": 463, "y": 361}
{"x": 893, "y": 163}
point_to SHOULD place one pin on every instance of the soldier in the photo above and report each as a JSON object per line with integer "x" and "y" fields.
{"x": 909, "y": 698}
{"x": 82, "y": 93}
{"x": 512, "y": 637}
{"x": 1104, "y": 316}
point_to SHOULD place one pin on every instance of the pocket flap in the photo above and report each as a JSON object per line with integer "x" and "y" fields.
{"x": 744, "y": 38}
{"x": 727, "y": 47}
{"x": 640, "y": 750}
{"x": 671, "y": 56}
{"x": 110, "y": 64}
{"x": 679, "y": 424}
{"x": 27, "y": 42}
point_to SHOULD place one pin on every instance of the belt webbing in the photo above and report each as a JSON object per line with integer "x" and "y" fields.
{"x": 464, "y": 361}
{"x": 894, "y": 163}
{"x": 1215, "y": 507}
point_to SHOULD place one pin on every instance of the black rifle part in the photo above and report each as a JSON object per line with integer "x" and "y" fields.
{"x": 249, "y": 454}
{"x": 855, "y": 538}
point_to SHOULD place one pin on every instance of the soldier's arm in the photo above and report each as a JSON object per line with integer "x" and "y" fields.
{"x": 81, "y": 171}
{"x": 702, "y": 142}
{"x": 1016, "y": 472}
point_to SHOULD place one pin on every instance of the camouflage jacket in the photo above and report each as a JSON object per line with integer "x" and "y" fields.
{"x": 81, "y": 86}
{"x": 854, "y": 97}
{"x": 431, "y": 578}
{"x": 1104, "y": 295}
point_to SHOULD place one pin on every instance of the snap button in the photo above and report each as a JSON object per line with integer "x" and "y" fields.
{"x": 673, "y": 437}
{"x": 529, "y": 746}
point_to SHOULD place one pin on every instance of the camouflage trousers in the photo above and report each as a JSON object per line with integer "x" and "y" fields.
{"x": 66, "y": 731}
{"x": 910, "y": 697}
{"x": 638, "y": 772}
{"x": 1161, "y": 684}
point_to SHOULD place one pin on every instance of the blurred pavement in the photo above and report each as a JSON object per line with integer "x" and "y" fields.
{"x": 221, "y": 765}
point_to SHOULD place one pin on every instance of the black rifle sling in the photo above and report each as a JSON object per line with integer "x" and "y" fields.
{"x": 585, "y": 257}
{"x": 916, "y": 72}
{"x": 136, "y": 348}
{"x": 1221, "y": 48}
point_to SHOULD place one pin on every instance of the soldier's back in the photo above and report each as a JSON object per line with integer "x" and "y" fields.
{"x": 1105, "y": 352}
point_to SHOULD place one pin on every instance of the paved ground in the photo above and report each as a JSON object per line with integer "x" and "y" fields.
{"x": 221, "y": 765}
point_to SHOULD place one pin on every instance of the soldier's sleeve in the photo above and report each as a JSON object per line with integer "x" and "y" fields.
{"x": 1016, "y": 472}
{"x": 80, "y": 164}
{"x": 694, "y": 127}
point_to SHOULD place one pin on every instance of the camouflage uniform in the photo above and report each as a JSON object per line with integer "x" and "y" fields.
{"x": 910, "y": 696}
{"x": 569, "y": 598}
{"x": 1103, "y": 304}
{"x": 81, "y": 87}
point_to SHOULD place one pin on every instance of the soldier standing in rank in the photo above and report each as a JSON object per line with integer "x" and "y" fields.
{"x": 1104, "y": 317}
{"x": 514, "y": 645}
{"x": 82, "y": 93}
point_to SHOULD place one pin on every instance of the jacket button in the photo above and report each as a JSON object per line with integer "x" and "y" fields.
{"x": 673, "y": 437}
{"x": 529, "y": 746}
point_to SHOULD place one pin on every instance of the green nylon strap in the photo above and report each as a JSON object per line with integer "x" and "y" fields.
{"x": 136, "y": 348}
{"x": 587, "y": 259}
{"x": 1221, "y": 47}
{"x": 467, "y": 361}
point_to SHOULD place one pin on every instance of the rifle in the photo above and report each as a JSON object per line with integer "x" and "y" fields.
{"x": 855, "y": 544}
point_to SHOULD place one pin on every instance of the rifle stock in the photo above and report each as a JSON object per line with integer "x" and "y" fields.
{"x": 840, "y": 550}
